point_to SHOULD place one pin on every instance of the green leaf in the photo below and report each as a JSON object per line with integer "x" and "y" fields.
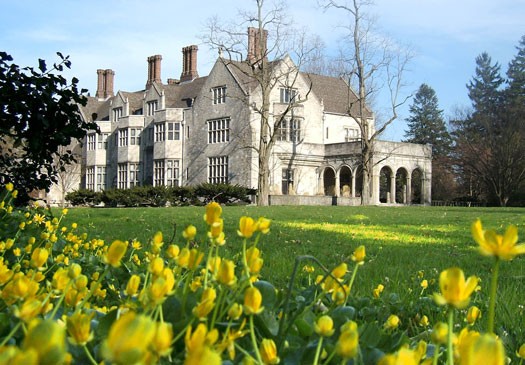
{"x": 268, "y": 293}
{"x": 105, "y": 323}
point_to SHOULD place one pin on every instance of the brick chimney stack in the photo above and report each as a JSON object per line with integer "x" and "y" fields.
{"x": 110, "y": 75}
{"x": 257, "y": 47}
{"x": 154, "y": 70}
{"x": 189, "y": 63}
{"x": 105, "y": 83}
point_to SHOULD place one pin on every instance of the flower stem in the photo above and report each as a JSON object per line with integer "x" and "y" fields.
{"x": 90, "y": 357}
{"x": 354, "y": 273}
{"x": 493, "y": 293}
{"x": 450, "y": 349}
{"x": 318, "y": 350}
{"x": 11, "y": 334}
{"x": 254, "y": 341}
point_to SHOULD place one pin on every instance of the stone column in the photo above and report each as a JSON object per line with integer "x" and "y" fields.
{"x": 392, "y": 188}
{"x": 409, "y": 190}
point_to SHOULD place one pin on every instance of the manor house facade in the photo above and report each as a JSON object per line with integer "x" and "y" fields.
{"x": 199, "y": 129}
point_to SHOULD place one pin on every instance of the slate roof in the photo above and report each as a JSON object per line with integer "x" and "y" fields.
{"x": 335, "y": 93}
{"x": 94, "y": 106}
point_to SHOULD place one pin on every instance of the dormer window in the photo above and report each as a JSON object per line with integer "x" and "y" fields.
{"x": 151, "y": 107}
{"x": 287, "y": 95}
{"x": 117, "y": 113}
{"x": 219, "y": 95}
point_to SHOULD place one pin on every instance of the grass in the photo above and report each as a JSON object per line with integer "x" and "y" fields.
{"x": 400, "y": 241}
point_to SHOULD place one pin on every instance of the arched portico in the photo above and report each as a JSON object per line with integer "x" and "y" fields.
{"x": 346, "y": 182}
{"x": 386, "y": 185}
{"x": 329, "y": 181}
{"x": 401, "y": 191}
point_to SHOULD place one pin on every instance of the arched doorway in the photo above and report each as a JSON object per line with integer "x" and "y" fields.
{"x": 329, "y": 181}
{"x": 401, "y": 186}
{"x": 416, "y": 186}
{"x": 385, "y": 185}
{"x": 358, "y": 181}
{"x": 345, "y": 181}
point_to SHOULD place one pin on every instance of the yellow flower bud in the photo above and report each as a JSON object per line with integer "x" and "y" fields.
{"x": 473, "y": 314}
{"x": 156, "y": 266}
{"x": 359, "y": 255}
{"x": 162, "y": 339}
{"x": 74, "y": 270}
{"x": 39, "y": 257}
{"x": 189, "y": 232}
{"x": 347, "y": 345}
{"x": 173, "y": 251}
{"x": 521, "y": 352}
{"x": 440, "y": 333}
{"x": 226, "y": 274}
{"x": 213, "y": 213}
{"x": 340, "y": 270}
{"x": 195, "y": 258}
{"x": 424, "y": 283}
{"x": 247, "y": 226}
{"x": 377, "y": 291}
{"x": 424, "y": 321}
{"x": 324, "y": 326}
{"x": 263, "y": 225}
{"x": 252, "y": 301}
{"x": 206, "y": 304}
{"x": 9, "y": 187}
{"x": 116, "y": 251}
{"x": 392, "y": 322}
{"x": 235, "y": 311}
{"x": 268, "y": 352}
{"x": 133, "y": 285}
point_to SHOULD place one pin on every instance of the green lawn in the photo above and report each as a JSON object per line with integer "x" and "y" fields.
{"x": 400, "y": 242}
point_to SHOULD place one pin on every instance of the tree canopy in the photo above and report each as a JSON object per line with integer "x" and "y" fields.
{"x": 39, "y": 114}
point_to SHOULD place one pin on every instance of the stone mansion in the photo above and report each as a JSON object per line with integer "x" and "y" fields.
{"x": 199, "y": 129}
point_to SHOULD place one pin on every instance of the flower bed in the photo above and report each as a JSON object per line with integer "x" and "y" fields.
{"x": 69, "y": 298}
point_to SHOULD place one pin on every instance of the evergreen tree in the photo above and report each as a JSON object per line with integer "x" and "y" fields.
{"x": 426, "y": 124}
{"x": 516, "y": 75}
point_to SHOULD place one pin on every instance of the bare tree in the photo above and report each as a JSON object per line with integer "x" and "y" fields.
{"x": 68, "y": 176}
{"x": 372, "y": 64}
{"x": 271, "y": 35}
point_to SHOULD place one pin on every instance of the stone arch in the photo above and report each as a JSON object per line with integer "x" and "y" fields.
{"x": 416, "y": 186}
{"x": 402, "y": 181}
{"x": 345, "y": 181}
{"x": 385, "y": 184}
{"x": 329, "y": 181}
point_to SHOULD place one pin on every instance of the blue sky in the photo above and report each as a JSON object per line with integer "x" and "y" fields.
{"x": 446, "y": 36}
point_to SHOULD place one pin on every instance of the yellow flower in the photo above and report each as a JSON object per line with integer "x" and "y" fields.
{"x": 213, "y": 213}
{"x": 392, "y": 322}
{"x": 347, "y": 345}
{"x": 340, "y": 270}
{"x": 455, "y": 291}
{"x": 133, "y": 285}
{"x": 12, "y": 355}
{"x": 473, "y": 314}
{"x": 268, "y": 352}
{"x": 29, "y": 309}
{"x": 163, "y": 337}
{"x": 79, "y": 327}
{"x": 252, "y": 301}
{"x": 9, "y": 187}
{"x": 424, "y": 321}
{"x": 424, "y": 283}
{"x": 247, "y": 227}
{"x": 198, "y": 346}
{"x": 128, "y": 339}
{"x": 116, "y": 251}
{"x": 226, "y": 274}
{"x": 48, "y": 339}
{"x": 324, "y": 326}
{"x": 39, "y": 257}
{"x": 206, "y": 304}
{"x": 377, "y": 291}
{"x": 216, "y": 233}
{"x": 263, "y": 225}
{"x": 492, "y": 244}
{"x": 359, "y": 255}
{"x": 195, "y": 258}
{"x": 189, "y": 232}
{"x": 484, "y": 349}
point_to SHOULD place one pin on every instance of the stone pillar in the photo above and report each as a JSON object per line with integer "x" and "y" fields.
{"x": 337, "y": 184}
{"x": 409, "y": 190}
{"x": 353, "y": 184}
{"x": 392, "y": 188}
